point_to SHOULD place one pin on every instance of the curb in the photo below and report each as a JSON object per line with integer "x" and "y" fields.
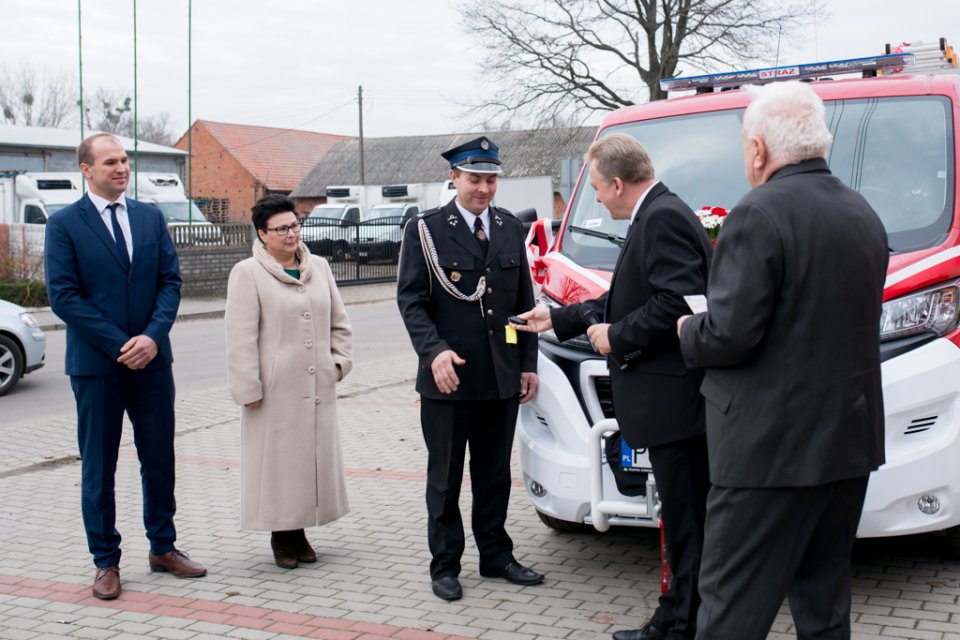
{"x": 196, "y": 315}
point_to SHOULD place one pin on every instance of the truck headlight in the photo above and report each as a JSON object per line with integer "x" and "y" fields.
{"x": 935, "y": 311}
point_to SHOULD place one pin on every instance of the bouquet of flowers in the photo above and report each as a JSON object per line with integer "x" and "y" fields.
{"x": 712, "y": 219}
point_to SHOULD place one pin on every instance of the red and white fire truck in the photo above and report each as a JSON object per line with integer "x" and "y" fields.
{"x": 895, "y": 141}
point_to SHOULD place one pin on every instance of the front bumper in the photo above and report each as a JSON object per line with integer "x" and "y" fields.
{"x": 922, "y": 405}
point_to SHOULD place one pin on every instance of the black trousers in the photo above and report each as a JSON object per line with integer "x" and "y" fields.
{"x": 683, "y": 481}
{"x": 448, "y": 428}
{"x": 765, "y": 544}
{"x": 147, "y": 397}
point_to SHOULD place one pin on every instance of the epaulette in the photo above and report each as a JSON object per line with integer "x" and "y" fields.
{"x": 429, "y": 212}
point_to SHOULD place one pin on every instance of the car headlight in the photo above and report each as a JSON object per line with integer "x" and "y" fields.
{"x": 936, "y": 311}
{"x": 28, "y": 320}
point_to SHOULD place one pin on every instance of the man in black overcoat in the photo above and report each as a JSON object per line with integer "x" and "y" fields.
{"x": 656, "y": 401}
{"x": 791, "y": 346}
{"x": 463, "y": 272}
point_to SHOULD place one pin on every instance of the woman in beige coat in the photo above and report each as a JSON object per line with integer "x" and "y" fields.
{"x": 288, "y": 343}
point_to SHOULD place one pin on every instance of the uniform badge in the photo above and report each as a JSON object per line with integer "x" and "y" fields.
{"x": 484, "y": 144}
{"x": 455, "y": 276}
{"x": 452, "y": 220}
{"x": 498, "y": 220}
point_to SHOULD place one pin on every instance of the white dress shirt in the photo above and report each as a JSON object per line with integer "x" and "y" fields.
{"x": 643, "y": 197}
{"x": 122, "y": 217}
{"x": 469, "y": 218}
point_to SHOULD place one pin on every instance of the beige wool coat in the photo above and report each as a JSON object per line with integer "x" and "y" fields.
{"x": 285, "y": 338}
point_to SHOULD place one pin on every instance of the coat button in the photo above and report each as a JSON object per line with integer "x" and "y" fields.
{"x": 301, "y": 289}
{"x": 311, "y": 370}
{"x": 316, "y": 401}
{"x": 490, "y": 332}
{"x": 489, "y": 290}
{"x": 456, "y": 264}
{"x": 489, "y": 312}
{"x": 306, "y": 314}
{"x": 488, "y": 269}
{"x": 308, "y": 344}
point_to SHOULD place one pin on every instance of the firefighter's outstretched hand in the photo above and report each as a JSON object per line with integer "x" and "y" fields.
{"x": 599, "y": 335}
{"x": 538, "y": 320}
{"x": 444, "y": 374}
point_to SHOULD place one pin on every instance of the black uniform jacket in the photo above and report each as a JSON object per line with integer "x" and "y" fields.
{"x": 791, "y": 340}
{"x": 437, "y": 321}
{"x": 666, "y": 256}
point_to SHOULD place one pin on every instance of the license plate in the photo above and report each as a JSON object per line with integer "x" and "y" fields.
{"x": 634, "y": 460}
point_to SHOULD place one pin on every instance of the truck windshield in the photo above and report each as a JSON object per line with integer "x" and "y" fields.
{"x": 894, "y": 151}
{"x": 179, "y": 213}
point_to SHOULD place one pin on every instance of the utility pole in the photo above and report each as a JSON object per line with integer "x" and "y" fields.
{"x": 360, "y": 103}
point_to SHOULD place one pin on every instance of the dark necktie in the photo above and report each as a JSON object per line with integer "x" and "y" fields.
{"x": 118, "y": 236}
{"x": 481, "y": 235}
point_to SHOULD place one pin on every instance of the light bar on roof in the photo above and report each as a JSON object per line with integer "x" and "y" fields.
{"x": 761, "y": 76}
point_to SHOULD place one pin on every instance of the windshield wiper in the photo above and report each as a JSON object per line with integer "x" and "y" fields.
{"x": 611, "y": 237}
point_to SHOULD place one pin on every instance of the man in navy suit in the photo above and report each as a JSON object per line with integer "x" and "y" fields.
{"x": 113, "y": 277}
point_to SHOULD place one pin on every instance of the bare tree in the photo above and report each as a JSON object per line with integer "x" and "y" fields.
{"x": 37, "y": 98}
{"x": 112, "y": 111}
{"x": 156, "y": 129}
{"x": 563, "y": 59}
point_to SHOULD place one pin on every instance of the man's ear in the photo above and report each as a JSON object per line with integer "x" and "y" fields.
{"x": 760, "y": 156}
{"x": 617, "y": 185}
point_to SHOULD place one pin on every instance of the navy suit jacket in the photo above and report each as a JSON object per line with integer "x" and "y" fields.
{"x": 104, "y": 303}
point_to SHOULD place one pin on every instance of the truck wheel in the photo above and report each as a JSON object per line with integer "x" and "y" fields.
{"x": 565, "y": 526}
{"x": 953, "y": 541}
{"x": 11, "y": 364}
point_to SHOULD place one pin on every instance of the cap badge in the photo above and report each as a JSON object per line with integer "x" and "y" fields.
{"x": 484, "y": 144}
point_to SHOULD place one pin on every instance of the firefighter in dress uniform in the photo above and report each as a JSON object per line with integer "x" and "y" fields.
{"x": 463, "y": 271}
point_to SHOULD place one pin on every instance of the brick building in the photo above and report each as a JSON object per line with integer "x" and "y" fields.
{"x": 234, "y": 165}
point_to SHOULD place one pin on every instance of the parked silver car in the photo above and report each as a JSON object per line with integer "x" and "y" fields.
{"x": 23, "y": 345}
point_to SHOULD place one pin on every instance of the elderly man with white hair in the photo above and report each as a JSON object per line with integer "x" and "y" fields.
{"x": 790, "y": 344}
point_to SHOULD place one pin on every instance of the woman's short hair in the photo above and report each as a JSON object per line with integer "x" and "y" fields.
{"x": 790, "y": 119}
{"x": 269, "y": 206}
{"x": 620, "y": 156}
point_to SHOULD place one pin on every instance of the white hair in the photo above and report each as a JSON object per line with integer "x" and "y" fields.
{"x": 790, "y": 119}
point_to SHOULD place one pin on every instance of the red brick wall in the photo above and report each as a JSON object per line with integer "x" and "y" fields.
{"x": 216, "y": 174}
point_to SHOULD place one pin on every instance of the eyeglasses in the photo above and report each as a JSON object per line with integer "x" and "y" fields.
{"x": 285, "y": 229}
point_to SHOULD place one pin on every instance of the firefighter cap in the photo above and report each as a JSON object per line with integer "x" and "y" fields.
{"x": 480, "y": 155}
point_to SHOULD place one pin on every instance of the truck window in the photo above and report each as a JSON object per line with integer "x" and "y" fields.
{"x": 699, "y": 157}
{"x": 897, "y": 152}
{"x": 32, "y": 214}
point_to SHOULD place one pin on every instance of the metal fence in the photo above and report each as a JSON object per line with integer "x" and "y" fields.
{"x": 358, "y": 252}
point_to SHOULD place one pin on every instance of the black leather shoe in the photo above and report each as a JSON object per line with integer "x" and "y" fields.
{"x": 516, "y": 573}
{"x": 447, "y": 588}
{"x": 648, "y": 632}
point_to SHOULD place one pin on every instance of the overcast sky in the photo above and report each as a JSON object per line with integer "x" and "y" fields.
{"x": 298, "y": 63}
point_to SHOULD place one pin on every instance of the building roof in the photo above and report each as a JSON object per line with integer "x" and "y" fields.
{"x": 278, "y": 158}
{"x": 50, "y": 138}
{"x": 416, "y": 159}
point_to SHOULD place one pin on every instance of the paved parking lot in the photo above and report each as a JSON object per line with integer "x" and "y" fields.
{"x": 371, "y": 581}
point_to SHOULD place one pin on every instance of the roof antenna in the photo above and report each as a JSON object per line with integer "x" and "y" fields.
{"x": 779, "y": 33}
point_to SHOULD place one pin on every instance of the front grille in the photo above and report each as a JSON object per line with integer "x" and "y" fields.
{"x": 604, "y": 395}
{"x": 918, "y": 425}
